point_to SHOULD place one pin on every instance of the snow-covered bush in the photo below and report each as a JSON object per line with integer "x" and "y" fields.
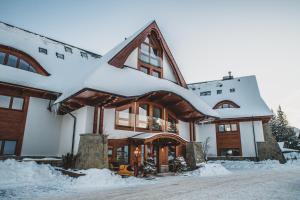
{"x": 149, "y": 166}
{"x": 180, "y": 164}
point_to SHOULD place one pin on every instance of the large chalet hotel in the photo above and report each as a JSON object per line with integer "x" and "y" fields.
{"x": 51, "y": 93}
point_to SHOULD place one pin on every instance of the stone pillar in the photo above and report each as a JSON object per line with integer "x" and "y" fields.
{"x": 194, "y": 154}
{"x": 269, "y": 150}
{"x": 92, "y": 151}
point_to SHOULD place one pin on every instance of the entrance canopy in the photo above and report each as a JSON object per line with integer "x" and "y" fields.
{"x": 162, "y": 138}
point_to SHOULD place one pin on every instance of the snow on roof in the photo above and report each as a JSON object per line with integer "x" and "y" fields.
{"x": 242, "y": 90}
{"x": 149, "y": 135}
{"x": 74, "y": 72}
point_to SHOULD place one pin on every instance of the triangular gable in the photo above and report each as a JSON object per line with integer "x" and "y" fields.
{"x": 120, "y": 57}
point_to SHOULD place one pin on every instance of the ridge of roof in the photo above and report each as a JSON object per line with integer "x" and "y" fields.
{"x": 54, "y": 40}
{"x": 218, "y": 80}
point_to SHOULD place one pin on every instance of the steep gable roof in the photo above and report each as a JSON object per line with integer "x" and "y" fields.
{"x": 135, "y": 40}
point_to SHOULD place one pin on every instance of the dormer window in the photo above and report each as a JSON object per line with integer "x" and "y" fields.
{"x": 43, "y": 50}
{"x": 84, "y": 55}
{"x": 219, "y": 91}
{"x": 150, "y": 56}
{"x": 226, "y": 104}
{"x": 68, "y": 49}
{"x": 232, "y": 90}
{"x": 59, "y": 55}
{"x": 206, "y": 93}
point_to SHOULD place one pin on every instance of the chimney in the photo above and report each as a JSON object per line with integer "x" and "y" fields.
{"x": 229, "y": 77}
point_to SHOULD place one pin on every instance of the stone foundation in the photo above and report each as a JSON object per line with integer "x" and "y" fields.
{"x": 270, "y": 148}
{"x": 92, "y": 151}
{"x": 194, "y": 154}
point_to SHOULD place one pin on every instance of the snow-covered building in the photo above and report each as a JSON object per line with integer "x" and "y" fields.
{"x": 51, "y": 92}
{"x": 241, "y": 115}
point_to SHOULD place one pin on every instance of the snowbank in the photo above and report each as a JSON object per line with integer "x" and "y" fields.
{"x": 262, "y": 165}
{"x": 209, "y": 169}
{"x": 22, "y": 180}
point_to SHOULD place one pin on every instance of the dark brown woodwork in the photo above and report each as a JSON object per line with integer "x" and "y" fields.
{"x": 119, "y": 59}
{"x": 228, "y": 139}
{"x": 12, "y": 123}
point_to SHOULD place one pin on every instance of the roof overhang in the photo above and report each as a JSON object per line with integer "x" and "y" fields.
{"x": 183, "y": 109}
{"x": 162, "y": 138}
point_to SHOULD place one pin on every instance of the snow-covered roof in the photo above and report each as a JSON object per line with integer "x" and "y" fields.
{"x": 245, "y": 93}
{"x": 75, "y": 72}
{"x": 150, "y": 135}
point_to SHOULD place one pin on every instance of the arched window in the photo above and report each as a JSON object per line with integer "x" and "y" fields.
{"x": 18, "y": 59}
{"x": 226, "y": 104}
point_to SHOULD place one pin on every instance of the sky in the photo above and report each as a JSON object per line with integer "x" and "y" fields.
{"x": 207, "y": 38}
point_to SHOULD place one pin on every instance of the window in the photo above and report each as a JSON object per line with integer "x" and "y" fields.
{"x": 221, "y": 128}
{"x": 84, "y": 55}
{"x": 157, "y": 119}
{"x": 4, "y": 101}
{"x": 8, "y": 147}
{"x": 12, "y": 61}
{"x": 2, "y": 57}
{"x": 14, "y": 103}
{"x": 26, "y": 66}
{"x": 123, "y": 117}
{"x": 150, "y": 57}
{"x": 143, "y": 116}
{"x": 59, "y": 55}
{"x": 150, "y": 54}
{"x": 156, "y": 74}
{"x": 145, "y": 70}
{"x": 68, "y": 49}
{"x": 42, "y": 50}
{"x": 206, "y": 93}
{"x": 122, "y": 155}
{"x": 232, "y": 90}
{"x": 230, "y": 127}
{"x": 18, "y": 59}
{"x": 219, "y": 91}
{"x": 226, "y": 104}
{"x": 17, "y": 103}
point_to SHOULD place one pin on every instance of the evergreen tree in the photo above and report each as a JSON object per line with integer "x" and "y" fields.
{"x": 280, "y": 127}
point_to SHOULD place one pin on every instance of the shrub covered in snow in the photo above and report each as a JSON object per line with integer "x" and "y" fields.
{"x": 180, "y": 164}
{"x": 149, "y": 167}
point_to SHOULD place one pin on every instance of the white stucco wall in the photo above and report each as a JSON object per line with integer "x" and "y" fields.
{"x": 132, "y": 59}
{"x": 204, "y": 131}
{"x": 42, "y": 130}
{"x": 247, "y": 139}
{"x": 84, "y": 124}
{"x": 184, "y": 130}
{"x": 167, "y": 70}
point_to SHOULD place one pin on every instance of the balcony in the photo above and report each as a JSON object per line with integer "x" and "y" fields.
{"x": 143, "y": 122}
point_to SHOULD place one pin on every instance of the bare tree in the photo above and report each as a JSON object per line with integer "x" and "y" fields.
{"x": 205, "y": 147}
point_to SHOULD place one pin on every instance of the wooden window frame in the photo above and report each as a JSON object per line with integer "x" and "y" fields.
{"x": 11, "y": 103}
{"x": 228, "y": 132}
{"x": 131, "y": 120}
{"x": 220, "y": 104}
{"x": 2, "y": 147}
{"x": 151, "y": 68}
{"x": 21, "y": 55}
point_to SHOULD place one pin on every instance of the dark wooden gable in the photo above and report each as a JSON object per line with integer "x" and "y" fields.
{"x": 119, "y": 59}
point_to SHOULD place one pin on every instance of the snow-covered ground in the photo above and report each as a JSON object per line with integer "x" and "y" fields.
{"x": 28, "y": 180}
